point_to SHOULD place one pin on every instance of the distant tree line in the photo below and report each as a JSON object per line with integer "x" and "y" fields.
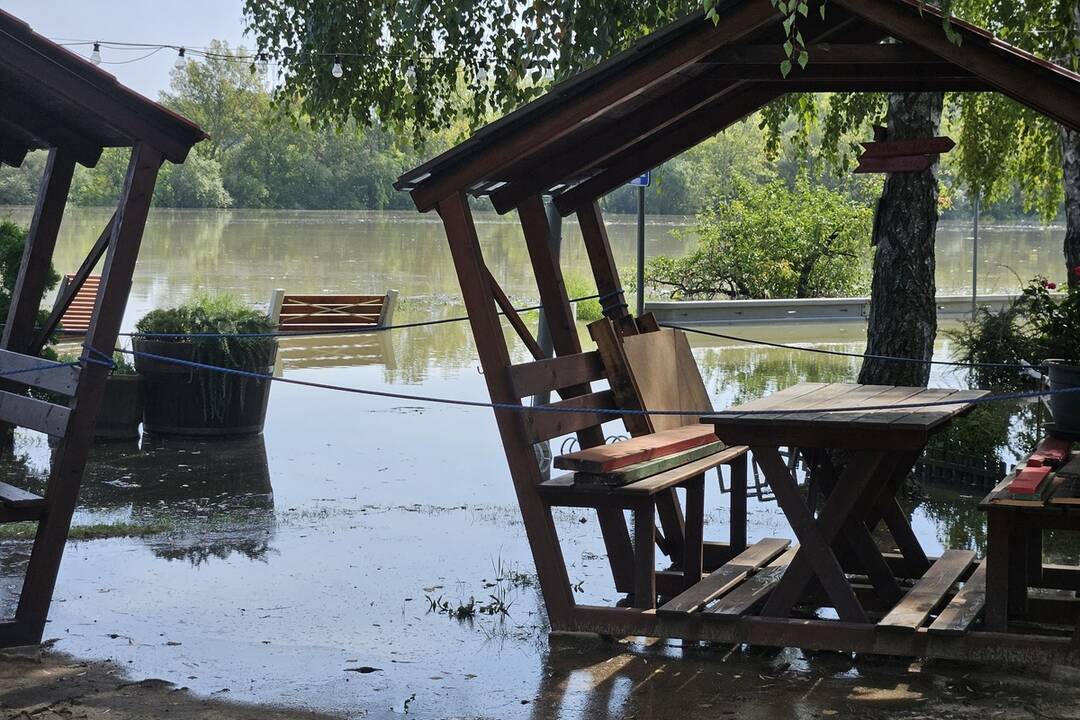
{"x": 264, "y": 155}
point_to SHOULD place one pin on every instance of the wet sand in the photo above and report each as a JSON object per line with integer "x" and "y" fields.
{"x": 593, "y": 679}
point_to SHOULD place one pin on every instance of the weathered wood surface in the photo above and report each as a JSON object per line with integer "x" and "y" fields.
{"x": 300, "y": 313}
{"x": 650, "y": 468}
{"x": 76, "y": 319}
{"x": 666, "y": 377}
{"x": 753, "y": 590}
{"x": 929, "y": 592}
{"x": 965, "y": 607}
{"x": 543, "y": 425}
{"x": 895, "y": 427}
{"x": 13, "y": 497}
{"x": 727, "y": 577}
{"x": 608, "y": 458}
{"x": 558, "y": 373}
{"x": 52, "y": 375}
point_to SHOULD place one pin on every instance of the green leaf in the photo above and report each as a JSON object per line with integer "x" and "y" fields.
{"x": 788, "y": 48}
{"x": 804, "y": 57}
{"x": 785, "y": 68}
{"x": 804, "y": 9}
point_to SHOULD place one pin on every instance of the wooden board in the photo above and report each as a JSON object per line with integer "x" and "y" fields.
{"x": 649, "y": 468}
{"x": 607, "y": 458}
{"x": 908, "y": 163}
{"x": 929, "y": 592}
{"x": 753, "y": 590}
{"x": 965, "y": 608}
{"x": 898, "y": 148}
{"x": 726, "y": 577}
{"x": 13, "y": 497}
{"x": 667, "y": 376}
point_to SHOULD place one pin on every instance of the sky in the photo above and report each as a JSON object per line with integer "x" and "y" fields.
{"x": 191, "y": 23}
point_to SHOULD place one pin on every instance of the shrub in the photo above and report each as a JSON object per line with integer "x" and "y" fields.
{"x": 12, "y": 242}
{"x": 771, "y": 241}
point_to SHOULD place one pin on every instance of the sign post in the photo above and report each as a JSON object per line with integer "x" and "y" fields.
{"x": 641, "y": 182}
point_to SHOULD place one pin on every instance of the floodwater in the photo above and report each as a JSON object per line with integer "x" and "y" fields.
{"x": 309, "y": 567}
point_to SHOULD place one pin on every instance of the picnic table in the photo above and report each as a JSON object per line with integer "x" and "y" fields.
{"x": 860, "y": 442}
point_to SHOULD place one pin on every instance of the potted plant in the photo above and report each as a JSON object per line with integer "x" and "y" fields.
{"x": 1053, "y": 321}
{"x": 185, "y": 399}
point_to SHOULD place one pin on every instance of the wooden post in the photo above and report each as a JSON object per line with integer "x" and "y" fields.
{"x": 495, "y": 361}
{"x": 564, "y": 338}
{"x": 386, "y": 317}
{"x": 66, "y": 477}
{"x": 602, "y": 261}
{"x": 37, "y": 255}
{"x": 276, "y": 299}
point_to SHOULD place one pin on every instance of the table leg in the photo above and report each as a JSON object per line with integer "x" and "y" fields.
{"x": 645, "y": 556}
{"x": 889, "y": 511}
{"x": 673, "y": 523}
{"x": 737, "y": 521}
{"x": 1019, "y": 553}
{"x": 694, "y": 543}
{"x": 815, "y": 555}
{"x": 858, "y": 538}
{"x": 1034, "y": 558}
{"x": 998, "y": 531}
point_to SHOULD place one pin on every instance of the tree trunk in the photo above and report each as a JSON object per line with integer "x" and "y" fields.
{"x": 903, "y": 312}
{"x": 1070, "y": 162}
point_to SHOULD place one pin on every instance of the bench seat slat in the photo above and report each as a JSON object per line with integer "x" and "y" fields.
{"x": 929, "y": 592}
{"x": 558, "y": 373}
{"x": 963, "y": 610}
{"x": 726, "y": 577}
{"x": 544, "y": 425}
{"x": 754, "y": 590}
{"x": 32, "y": 413}
{"x": 53, "y": 376}
{"x": 564, "y": 489}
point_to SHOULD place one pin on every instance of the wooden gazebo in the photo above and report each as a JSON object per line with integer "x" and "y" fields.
{"x": 593, "y": 133}
{"x": 56, "y": 100}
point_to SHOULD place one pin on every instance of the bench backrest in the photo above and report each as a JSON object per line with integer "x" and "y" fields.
{"x": 76, "y": 320}
{"x": 332, "y": 312}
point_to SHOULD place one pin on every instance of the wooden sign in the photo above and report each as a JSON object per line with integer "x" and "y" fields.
{"x": 889, "y": 156}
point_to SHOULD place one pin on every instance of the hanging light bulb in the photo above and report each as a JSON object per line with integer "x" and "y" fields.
{"x": 95, "y": 57}
{"x": 336, "y": 71}
{"x": 181, "y": 60}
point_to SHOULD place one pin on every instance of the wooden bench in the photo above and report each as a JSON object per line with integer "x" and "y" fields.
{"x": 318, "y": 313}
{"x": 76, "y": 319}
{"x": 652, "y": 491}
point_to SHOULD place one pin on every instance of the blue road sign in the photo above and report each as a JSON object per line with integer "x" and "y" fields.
{"x": 642, "y": 180}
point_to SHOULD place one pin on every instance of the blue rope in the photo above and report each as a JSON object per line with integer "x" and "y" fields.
{"x": 841, "y": 353}
{"x": 615, "y": 412}
{"x": 347, "y": 331}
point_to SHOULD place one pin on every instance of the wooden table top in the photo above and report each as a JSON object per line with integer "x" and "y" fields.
{"x": 842, "y": 415}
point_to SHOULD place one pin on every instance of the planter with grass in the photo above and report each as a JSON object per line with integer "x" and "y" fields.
{"x": 122, "y": 405}
{"x": 183, "y": 399}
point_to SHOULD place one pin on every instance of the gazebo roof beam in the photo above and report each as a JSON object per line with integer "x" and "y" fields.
{"x": 490, "y": 157}
{"x": 534, "y": 173}
{"x": 11, "y": 152}
{"x": 654, "y": 150}
{"x": 812, "y": 72}
{"x": 825, "y": 54}
{"x": 52, "y": 131}
{"x": 1027, "y": 79}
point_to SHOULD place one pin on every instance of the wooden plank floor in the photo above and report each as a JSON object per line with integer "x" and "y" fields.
{"x": 933, "y": 604}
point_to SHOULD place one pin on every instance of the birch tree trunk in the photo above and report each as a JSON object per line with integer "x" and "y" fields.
{"x": 903, "y": 312}
{"x": 1070, "y": 162}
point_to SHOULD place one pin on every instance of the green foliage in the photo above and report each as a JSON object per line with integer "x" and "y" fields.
{"x": 420, "y": 67}
{"x": 771, "y": 241}
{"x": 12, "y": 242}
{"x": 577, "y": 285}
{"x": 216, "y": 328}
{"x": 1039, "y": 325}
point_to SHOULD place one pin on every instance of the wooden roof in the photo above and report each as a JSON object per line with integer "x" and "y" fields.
{"x": 55, "y": 98}
{"x": 677, "y": 87}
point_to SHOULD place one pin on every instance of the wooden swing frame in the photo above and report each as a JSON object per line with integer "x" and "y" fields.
{"x": 591, "y": 134}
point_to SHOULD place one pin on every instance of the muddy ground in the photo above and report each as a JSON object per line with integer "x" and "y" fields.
{"x": 595, "y": 679}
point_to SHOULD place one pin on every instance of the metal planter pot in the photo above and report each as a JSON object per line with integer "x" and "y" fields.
{"x": 188, "y": 401}
{"x": 121, "y": 409}
{"x": 1066, "y": 407}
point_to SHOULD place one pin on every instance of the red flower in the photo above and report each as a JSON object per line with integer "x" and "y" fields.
{"x": 1076, "y": 271}
{"x": 1051, "y": 286}
{"x": 1044, "y": 282}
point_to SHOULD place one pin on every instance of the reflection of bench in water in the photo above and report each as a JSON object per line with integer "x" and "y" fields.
{"x": 373, "y": 348}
